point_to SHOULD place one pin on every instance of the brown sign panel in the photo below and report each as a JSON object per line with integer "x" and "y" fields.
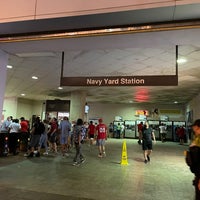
{"x": 167, "y": 80}
{"x": 57, "y": 105}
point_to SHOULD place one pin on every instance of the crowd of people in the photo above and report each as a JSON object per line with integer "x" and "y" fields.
{"x": 49, "y": 134}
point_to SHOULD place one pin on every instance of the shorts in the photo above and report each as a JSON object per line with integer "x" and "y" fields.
{"x": 64, "y": 139}
{"x": 147, "y": 145}
{"x": 52, "y": 138}
{"x": 91, "y": 136}
{"x": 35, "y": 139}
{"x": 101, "y": 142}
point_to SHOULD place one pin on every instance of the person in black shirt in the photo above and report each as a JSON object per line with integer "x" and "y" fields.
{"x": 147, "y": 136}
{"x": 37, "y": 130}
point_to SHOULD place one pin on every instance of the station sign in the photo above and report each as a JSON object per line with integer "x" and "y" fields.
{"x": 159, "y": 80}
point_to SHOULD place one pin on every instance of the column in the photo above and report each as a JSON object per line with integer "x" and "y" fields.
{"x": 3, "y": 76}
{"x": 77, "y": 105}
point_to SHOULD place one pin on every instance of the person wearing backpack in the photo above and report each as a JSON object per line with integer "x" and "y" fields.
{"x": 37, "y": 130}
{"x": 193, "y": 157}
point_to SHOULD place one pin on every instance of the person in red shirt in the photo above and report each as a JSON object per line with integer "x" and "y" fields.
{"x": 52, "y": 134}
{"x": 140, "y": 129}
{"x": 101, "y": 130}
{"x": 91, "y": 132}
{"x": 181, "y": 134}
{"x": 24, "y": 134}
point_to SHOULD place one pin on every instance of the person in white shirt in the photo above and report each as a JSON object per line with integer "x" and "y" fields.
{"x": 163, "y": 129}
{"x": 5, "y": 125}
{"x": 14, "y": 130}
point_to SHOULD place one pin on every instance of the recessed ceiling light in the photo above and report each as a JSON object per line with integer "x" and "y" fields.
{"x": 9, "y": 66}
{"x": 36, "y": 54}
{"x": 175, "y": 101}
{"x": 60, "y": 88}
{"x": 181, "y": 60}
{"x": 34, "y": 77}
{"x": 23, "y": 94}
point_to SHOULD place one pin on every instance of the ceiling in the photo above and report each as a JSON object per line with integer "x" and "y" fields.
{"x": 148, "y": 53}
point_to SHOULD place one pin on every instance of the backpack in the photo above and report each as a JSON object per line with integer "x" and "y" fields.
{"x": 39, "y": 128}
{"x": 188, "y": 159}
{"x": 192, "y": 158}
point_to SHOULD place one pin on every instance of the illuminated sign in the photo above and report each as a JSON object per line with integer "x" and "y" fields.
{"x": 142, "y": 112}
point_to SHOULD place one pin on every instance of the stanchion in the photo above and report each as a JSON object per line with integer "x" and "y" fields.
{"x": 124, "y": 160}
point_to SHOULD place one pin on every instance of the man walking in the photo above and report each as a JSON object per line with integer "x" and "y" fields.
{"x": 101, "y": 130}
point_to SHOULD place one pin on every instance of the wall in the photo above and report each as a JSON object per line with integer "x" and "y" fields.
{"x": 26, "y": 108}
{"x": 18, "y": 107}
{"x": 127, "y": 111}
{"x": 3, "y": 72}
{"x": 40, "y": 9}
{"x": 10, "y": 107}
{"x": 194, "y": 106}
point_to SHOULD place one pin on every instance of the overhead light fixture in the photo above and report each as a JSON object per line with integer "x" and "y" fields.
{"x": 23, "y": 94}
{"x": 36, "y": 54}
{"x": 60, "y": 88}
{"x": 175, "y": 101}
{"x": 181, "y": 60}
{"x": 34, "y": 77}
{"x": 9, "y": 66}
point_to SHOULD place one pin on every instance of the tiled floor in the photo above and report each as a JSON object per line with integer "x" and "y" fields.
{"x": 54, "y": 178}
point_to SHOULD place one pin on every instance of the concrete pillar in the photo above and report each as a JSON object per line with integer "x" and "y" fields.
{"x": 77, "y": 105}
{"x": 3, "y": 76}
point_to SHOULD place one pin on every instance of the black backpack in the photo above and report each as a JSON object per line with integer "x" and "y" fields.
{"x": 39, "y": 128}
{"x": 192, "y": 159}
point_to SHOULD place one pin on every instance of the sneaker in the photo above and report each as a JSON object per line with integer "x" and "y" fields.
{"x": 104, "y": 154}
{"x": 37, "y": 154}
{"x": 30, "y": 155}
{"x": 82, "y": 160}
{"x": 148, "y": 158}
{"x": 66, "y": 154}
{"x": 45, "y": 153}
{"x": 75, "y": 163}
{"x": 100, "y": 156}
{"x": 145, "y": 161}
{"x": 26, "y": 155}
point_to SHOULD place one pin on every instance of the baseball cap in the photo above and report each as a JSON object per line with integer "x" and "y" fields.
{"x": 196, "y": 123}
{"x": 100, "y": 120}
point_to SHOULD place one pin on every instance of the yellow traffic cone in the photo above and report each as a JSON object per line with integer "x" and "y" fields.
{"x": 124, "y": 160}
